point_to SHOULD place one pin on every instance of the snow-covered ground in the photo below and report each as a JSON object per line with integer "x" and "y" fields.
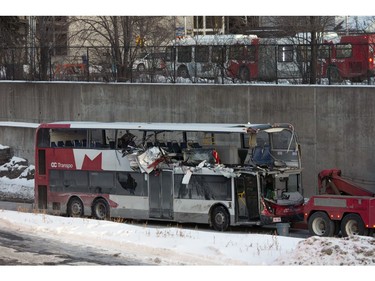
{"x": 176, "y": 246}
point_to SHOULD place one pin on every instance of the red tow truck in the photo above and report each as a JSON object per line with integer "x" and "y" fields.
{"x": 340, "y": 206}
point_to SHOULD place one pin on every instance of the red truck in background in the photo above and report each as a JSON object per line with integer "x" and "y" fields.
{"x": 340, "y": 206}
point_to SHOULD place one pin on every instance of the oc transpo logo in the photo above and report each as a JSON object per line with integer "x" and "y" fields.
{"x": 61, "y": 165}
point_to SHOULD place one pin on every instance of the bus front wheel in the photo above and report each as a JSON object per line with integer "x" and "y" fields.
{"x": 100, "y": 209}
{"x": 75, "y": 208}
{"x": 220, "y": 218}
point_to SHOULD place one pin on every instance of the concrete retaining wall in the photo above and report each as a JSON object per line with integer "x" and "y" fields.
{"x": 334, "y": 123}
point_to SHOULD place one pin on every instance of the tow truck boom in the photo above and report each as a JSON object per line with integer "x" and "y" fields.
{"x": 331, "y": 182}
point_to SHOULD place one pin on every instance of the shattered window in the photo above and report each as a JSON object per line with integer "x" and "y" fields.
{"x": 131, "y": 184}
{"x": 283, "y": 140}
{"x": 293, "y": 183}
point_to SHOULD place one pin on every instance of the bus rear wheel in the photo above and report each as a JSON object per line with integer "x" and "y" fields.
{"x": 75, "y": 208}
{"x": 100, "y": 209}
{"x": 220, "y": 218}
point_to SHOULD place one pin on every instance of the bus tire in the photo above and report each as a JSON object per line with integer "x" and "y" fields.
{"x": 75, "y": 208}
{"x": 220, "y": 218}
{"x": 352, "y": 224}
{"x": 100, "y": 209}
{"x": 244, "y": 73}
{"x": 183, "y": 72}
{"x": 319, "y": 224}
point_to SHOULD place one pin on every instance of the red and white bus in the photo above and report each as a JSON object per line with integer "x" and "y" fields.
{"x": 352, "y": 58}
{"x": 218, "y": 174}
{"x": 242, "y": 57}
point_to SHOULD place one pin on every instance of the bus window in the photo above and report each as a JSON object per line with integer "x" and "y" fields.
{"x": 203, "y": 187}
{"x": 343, "y": 51}
{"x": 282, "y": 141}
{"x": 170, "y": 54}
{"x": 101, "y": 182}
{"x": 97, "y": 138}
{"x": 75, "y": 180}
{"x": 64, "y": 181}
{"x": 131, "y": 184}
{"x": 184, "y": 54}
{"x": 285, "y": 53}
{"x": 218, "y": 54}
{"x": 43, "y": 138}
{"x": 201, "y": 53}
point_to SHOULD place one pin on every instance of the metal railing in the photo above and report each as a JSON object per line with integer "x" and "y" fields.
{"x": 158, "y": 64}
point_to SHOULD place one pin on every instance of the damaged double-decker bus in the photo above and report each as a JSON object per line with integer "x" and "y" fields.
{"x": 206, "y": 173}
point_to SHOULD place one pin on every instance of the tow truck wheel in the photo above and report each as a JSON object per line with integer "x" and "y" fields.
{"x": 352, "y": 224}
{"x": 319, "y": 224}
{"x": 220, "y": 218}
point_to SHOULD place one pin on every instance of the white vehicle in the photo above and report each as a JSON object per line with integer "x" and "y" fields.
{"x": 149, "y": 62}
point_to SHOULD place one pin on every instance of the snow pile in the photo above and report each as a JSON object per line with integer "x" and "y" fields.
{"x": 356, "y": 250}
{"x": 17, "y": 180}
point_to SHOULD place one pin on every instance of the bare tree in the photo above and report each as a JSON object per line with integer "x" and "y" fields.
{"x": 12, "y": 54}
{"x": 311, "y": 29}
{"x": 121, "y": 37}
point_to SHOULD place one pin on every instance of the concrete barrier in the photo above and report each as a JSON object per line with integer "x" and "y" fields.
{"x": 334, "y": 123}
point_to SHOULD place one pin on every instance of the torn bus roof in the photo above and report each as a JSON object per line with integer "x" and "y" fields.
{"x": 187, "y": 127}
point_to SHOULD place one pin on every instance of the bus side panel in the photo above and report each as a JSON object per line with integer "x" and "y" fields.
{"x": 132, "y": 207}
{"x": 190, "y": 210}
